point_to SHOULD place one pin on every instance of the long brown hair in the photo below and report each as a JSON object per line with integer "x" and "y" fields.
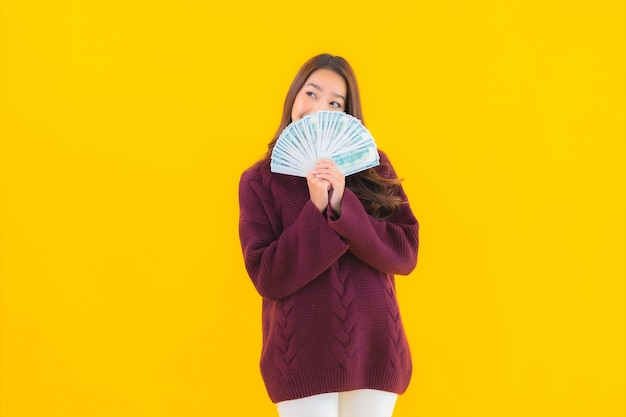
{"x": 379, "y": 194}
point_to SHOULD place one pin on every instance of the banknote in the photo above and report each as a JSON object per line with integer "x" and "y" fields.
{"x": 324, "y": 134}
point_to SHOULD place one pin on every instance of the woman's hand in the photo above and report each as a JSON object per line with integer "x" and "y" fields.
{"x": 318, "y": 191}
{"x": 327, "y": 171}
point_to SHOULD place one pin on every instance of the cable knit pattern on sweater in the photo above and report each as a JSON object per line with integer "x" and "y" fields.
{"x": 286, "y": 341}
{"x": 345, "y": 319}
{"x": 330, "y": 317}
{"x": 396, "y": 343}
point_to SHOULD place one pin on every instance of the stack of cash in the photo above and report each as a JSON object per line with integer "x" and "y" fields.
{"x": 324, "y": 134}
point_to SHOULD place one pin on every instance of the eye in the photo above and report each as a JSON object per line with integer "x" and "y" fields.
{"x": 335, "y": 104}
{"x": 311, "y": 94}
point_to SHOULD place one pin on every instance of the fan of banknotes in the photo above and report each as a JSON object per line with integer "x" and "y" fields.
{"x": 324, "y": 134}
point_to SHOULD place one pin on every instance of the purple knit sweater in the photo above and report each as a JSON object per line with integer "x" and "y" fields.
{"x": 330, "y": 316}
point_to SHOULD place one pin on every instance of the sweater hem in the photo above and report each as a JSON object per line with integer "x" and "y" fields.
{"x": 322, "y": 381}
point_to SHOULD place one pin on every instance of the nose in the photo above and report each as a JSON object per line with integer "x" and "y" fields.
{"x": 313, "y": 108}
{"x": 317, "y": 107}
{"x": 302, "y": 108}
{"x": 310, "y": 110}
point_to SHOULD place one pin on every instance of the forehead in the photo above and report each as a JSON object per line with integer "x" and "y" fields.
{"x": 327, "y": 79}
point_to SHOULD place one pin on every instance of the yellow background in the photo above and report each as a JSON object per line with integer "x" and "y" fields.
{"x": 125, "y": 126}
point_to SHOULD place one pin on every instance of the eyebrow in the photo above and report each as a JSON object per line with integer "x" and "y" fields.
{"x": 317, "y": 87}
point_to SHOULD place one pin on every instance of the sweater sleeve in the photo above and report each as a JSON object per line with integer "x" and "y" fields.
{"x": 281, "y": 262}
{"x": 388, "y": 245}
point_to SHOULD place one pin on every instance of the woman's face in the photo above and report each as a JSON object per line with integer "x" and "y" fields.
{"x": 323, "y": 90}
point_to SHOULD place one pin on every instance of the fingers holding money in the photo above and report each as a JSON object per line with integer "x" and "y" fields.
{"x": 318, "y": 191}
{"x": 327, "y": 170}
